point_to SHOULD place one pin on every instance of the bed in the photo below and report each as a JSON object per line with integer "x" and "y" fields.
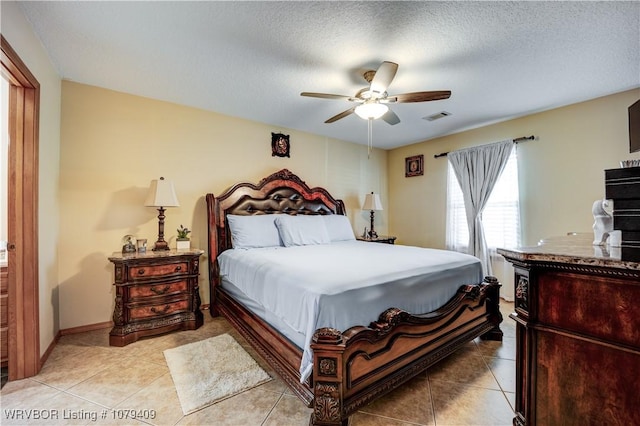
{"x": 336, "y": 365}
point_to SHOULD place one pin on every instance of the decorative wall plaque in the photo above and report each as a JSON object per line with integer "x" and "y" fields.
{"x": 280, "y": 146}
{"x": 414, "y": 166}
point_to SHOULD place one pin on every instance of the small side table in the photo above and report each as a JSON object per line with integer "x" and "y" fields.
{"x": 388, "y": 239}
{"x": 156, "y": 292}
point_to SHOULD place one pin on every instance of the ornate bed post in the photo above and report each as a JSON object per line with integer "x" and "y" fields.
{"x": 214, "y": 250}
{"x": 493, "y": 307}
{"x": 328, "y": 404}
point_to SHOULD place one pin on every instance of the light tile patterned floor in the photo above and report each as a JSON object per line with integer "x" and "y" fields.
{"x": 87, "y": 382}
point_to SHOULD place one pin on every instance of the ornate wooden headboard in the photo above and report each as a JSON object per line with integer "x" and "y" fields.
{"x": 280, "y": 193}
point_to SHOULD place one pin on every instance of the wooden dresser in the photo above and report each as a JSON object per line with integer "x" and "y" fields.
{"x": 577, "y": 313}
{"x": 156, "y": 292}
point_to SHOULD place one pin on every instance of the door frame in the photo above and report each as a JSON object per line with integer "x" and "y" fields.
{"x": 22, "y": 226}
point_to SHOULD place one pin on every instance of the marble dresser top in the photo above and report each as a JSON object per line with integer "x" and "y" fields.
{"x": 576, "y": 249}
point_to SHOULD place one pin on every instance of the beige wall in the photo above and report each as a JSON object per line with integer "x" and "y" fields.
{"x": 96, "y": 164}
{"x": 561, "y": 172}
{"x": 20, "y": 36}
{"x": 114, "y": 144}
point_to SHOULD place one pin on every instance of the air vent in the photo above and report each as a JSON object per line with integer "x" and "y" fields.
{"x": 437, "y": 116}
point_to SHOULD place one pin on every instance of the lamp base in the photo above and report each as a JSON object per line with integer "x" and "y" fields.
{"x": 161, "y": 245}
{"x": 372, "y": 233}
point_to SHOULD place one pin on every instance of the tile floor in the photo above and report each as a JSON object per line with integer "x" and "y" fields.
{"x": 85, "y": 382}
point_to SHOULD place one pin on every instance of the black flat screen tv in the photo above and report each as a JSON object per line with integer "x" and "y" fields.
{"x": 634, "y": 127}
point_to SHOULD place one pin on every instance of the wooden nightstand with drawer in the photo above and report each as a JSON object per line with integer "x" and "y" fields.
{"x": 156, "y": 292}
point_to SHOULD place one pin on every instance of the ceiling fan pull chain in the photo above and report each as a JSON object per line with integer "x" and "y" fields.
{"x": 369, "y": 137}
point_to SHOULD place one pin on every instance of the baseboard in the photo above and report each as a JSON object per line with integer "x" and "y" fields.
{"x": 45, "y": 355}
{"x": 72, "y": 330}
{"x": 84, "y": 328}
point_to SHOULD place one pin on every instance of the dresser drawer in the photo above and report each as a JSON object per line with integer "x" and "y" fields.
{"x": 161, "y": 309}
{"x": 573, "y": 302}
{"x": 141, "y": 272}
{"x": 159, "y": 289}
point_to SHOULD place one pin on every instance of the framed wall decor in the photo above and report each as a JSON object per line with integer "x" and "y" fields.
{"x": 280, "y": 146}
{"x": 414, "y": 166}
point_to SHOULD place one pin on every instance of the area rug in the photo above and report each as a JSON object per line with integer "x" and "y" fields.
{"x": 211, "y": 370}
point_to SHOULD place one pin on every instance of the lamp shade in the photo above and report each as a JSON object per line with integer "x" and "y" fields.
{"x": 372, "y": 202}
{"x": 371, "y": 110}
{"x": 161, "y": 194}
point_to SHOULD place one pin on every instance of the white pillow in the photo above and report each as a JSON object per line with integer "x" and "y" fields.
{"x": 254, "y": 231}
{"x": 302, "y": 230}
{"x": 338, "y": 227}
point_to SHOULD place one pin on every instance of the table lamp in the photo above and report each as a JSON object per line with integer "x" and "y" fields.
{"x": 372, "y": 202}
{"x": 161, "y": 195}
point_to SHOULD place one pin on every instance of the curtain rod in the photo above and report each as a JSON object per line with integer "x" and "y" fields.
{"x": 522, "y": 139}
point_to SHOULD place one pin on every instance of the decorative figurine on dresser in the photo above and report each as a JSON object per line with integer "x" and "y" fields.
{"x": 156, "y": 292}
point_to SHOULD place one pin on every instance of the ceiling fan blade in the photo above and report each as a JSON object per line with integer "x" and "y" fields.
{"x": 420, "y": 96}
{"x": 383, "y": 77}
{"x": 343, "y": 114}
{"x": 391, "y": 117}
{"x": 325, "y": 95}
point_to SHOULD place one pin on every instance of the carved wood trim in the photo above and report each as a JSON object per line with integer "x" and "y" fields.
{"x": 578, "y": 267}
{"x": 522, "y": 293}
{"x": 327, "y": 367}
{"x": 591, "y": 270}
{"x": 132, "y": 327}
{"x": 327, "y": 407}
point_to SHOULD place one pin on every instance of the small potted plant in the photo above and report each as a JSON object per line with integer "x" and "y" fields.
{"x": 183, "y": 242}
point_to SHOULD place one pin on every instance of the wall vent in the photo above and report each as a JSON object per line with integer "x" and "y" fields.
{"x": 437, "y": 116}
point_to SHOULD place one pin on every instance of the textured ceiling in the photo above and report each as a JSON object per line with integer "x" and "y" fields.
{"x": 252, "y": 59}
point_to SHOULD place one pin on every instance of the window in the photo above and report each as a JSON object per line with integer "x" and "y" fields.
{"x": 500, "y": 218}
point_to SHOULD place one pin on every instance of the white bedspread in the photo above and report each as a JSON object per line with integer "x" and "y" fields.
{"x": 345, "y": 284}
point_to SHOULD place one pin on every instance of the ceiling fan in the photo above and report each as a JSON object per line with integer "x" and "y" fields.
{"x": 372, "y": 101}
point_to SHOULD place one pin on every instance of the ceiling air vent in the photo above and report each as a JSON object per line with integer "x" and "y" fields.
{"x": 437, "y": 116}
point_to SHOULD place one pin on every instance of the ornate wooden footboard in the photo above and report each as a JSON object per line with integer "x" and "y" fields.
{"x": 353, "y": 367}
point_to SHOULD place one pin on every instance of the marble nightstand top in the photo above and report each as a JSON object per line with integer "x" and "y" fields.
{"x": 149, "y": 254}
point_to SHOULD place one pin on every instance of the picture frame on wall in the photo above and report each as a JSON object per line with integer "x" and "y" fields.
{"x": 280, "y": 146}
{"x": 414, "y": 166}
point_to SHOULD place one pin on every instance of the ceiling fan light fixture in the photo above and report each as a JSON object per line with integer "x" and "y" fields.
{"x": 373, "y": 110}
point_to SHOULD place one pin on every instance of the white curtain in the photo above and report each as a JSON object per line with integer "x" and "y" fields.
{"x": 477, "y": 170}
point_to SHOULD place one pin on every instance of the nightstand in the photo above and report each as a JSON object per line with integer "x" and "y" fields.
{"x": 388, "y": 239}
{"x": 156, "y": 292}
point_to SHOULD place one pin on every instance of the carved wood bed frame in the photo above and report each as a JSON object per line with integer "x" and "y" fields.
{"x": 351, "y": 368}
